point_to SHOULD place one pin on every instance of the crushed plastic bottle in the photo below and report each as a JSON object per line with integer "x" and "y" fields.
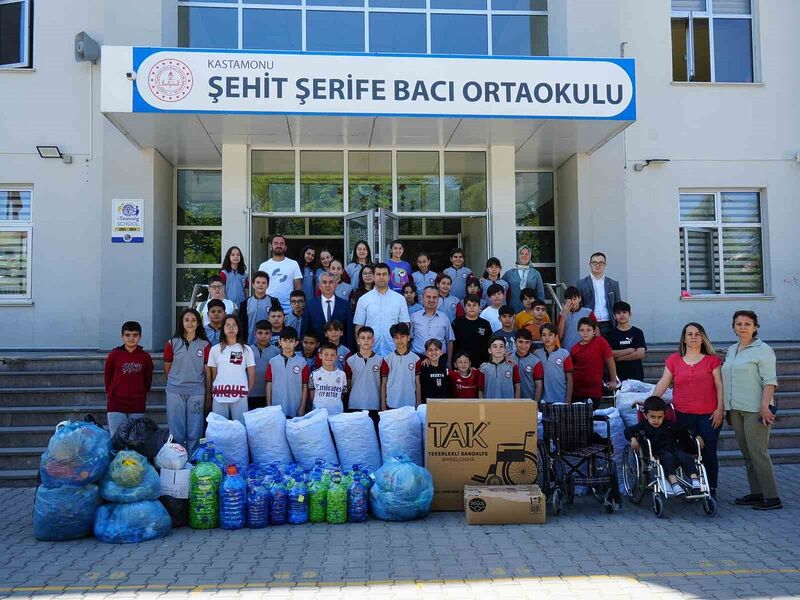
{"x": 279, "y": 501}
{"x": 357, "y": 502}
{"x": 204, "y": 494}
{"x": 337, "y": 501}
{"x": 298, "y": 503}
{"x": 258, "y": 500}
{"x": 233, "y": 498}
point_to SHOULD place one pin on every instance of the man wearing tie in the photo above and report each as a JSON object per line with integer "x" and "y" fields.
{"x": 328, "y": 307}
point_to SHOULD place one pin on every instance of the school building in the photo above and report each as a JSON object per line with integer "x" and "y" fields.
{"x": 139, "y": 140}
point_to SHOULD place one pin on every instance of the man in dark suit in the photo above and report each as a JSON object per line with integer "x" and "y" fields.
{"x": 599, "y": 293}
{"x": 328, "y": 307}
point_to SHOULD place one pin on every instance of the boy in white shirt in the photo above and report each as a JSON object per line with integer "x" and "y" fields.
{"x": 328, "y": 383}
{"x": 491, "y": 313}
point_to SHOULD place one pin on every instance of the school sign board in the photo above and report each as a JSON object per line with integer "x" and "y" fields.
{"x": 181, "y": 80}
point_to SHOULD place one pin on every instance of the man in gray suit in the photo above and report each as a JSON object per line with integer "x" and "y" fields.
{"x": 599, "y": 293}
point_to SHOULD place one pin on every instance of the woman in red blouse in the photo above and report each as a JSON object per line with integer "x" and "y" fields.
{"x": 694, "y": 372}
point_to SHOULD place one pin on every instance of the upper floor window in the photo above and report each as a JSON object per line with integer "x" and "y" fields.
{"x": 15, "y": 33}
{"x": 712, "y": 40}
{"x": 500, "y": 28}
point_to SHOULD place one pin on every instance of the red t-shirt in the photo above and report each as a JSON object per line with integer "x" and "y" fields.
{"x": 693, "y": 388}
{"x": 588, "y": 361}
{"x": 466, "y": 387}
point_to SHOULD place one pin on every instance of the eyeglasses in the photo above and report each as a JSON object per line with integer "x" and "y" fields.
{"x": 216, "y": 286}
{"x": 597, "y": 263}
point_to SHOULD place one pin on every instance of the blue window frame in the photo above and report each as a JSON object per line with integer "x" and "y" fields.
{"x": 397, "y": 32}
{"x": 335, "y": 31}
{"x": 207, "y": 27}
{"x": 272, "y": 29}
{"x": 519, "y": 35}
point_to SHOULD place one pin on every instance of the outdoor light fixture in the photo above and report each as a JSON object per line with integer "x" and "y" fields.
{"x": 53, "y": 152}
{"x": 641, "y": 165}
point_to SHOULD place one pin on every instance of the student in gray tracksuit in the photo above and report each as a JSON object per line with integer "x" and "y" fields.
{"x": 531, "y": 372}
{"x": 363, "y": 370}
{"x": 263, "y": 352}
{"x": 500, "y": 378}
{"x": 185, "y": 356}
{"x": 287, "y": 377}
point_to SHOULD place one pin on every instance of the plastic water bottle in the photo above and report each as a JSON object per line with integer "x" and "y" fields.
{"x": 357, "y": 505}
{"x": 233, "y": 498}
{"x": 200, "y": 452}
{"x": 298, "y": 503}
{"x": 337, "y": 501}
{"x": 279, "y": 502}
{"x": 257, "y": 504}
{"x": 204, "y": 494}
{"x": 317, "y": 498}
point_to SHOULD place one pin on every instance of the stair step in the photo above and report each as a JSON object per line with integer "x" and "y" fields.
{"x": 57, "y": 396}
{"x": 653, "y": 370}
{"x": 19, "y": 478}
{"x": 34, "y": 435}
{"x": 29, "y": 416}
{"x": 33, "y": 361}
{"x": 778, "y": 456}
{"x": 20, "y": 458}
{"x": 58, "y": 379}
{"x": 779, "y": 438}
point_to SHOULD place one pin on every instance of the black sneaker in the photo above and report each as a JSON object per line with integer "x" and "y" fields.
{"x": 769, "y": 504}
{"x": 749, "y": 500}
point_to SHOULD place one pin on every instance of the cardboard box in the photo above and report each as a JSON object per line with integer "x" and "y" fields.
{"x": 175, "y": 483}
{"x": 504, "y": 505}
{"x": 479, "y": 442}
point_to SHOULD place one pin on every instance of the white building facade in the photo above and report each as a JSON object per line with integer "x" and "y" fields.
{"x": 688, "y": 186}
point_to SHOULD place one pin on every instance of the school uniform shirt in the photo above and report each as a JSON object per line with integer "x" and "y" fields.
{"x": 230, "y": 309}
{"x": 328, "y": 386}
{"x": 433, "y": 381}
{"x": 298, "y": 323}
{"x": 510, "y": 337}
{"x": 262, "y": 356}
{"x": 309, "y": 283}
{"x": 499, "y": 379}
{"x": 485, "y": 283}
{"x": 623, "y": 340}
{"x": 466, "y": 386}
{"x": 589, "y": 361}
{"x": 187, "y": 373}
{"x": 235, "y": 285}
{"x": 342, "y": 352}
{"x": 253, "y": 311}
{"x": 364, "y": 375}
{"x": 288, "y": 375}
{"x": 492, "y": 314}
{"x": 423, "y": 280}
{"x": 425, "y": 327}
{"x": 448, "y": 306}
{"x": 353, "y": 270}
{"x": 212, "y": 334}
{"x": 459, "y": 277}
{"x": 472, "y": 336}
{"x": 128, "y": 376}
{"x": 343, "y": 290}
{"x": 414, "y": 308}
{"x": 556, "y": 365}
{"x": 530, "y": 371}
{"x": 311, "y": 361}
{"x": 571, "y": 335}
{"x": 400, "y": 371}
{"x": 399, "y": 274}
{"x": 275, "y": 339}
{"x": 231, "y": 362}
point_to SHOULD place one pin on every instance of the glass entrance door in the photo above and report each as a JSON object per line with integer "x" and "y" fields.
{"x": 388, "y": 230}
{"x": 357, "y": 227}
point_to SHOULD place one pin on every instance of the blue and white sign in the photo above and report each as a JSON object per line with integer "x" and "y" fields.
{"x": 233, "y": 81}
{"x": 127, "y": 221}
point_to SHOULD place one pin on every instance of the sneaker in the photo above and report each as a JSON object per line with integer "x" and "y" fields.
{"x": 677, "y": 490}
{"x": 768, "y": 504}
{"x": 749, "y": 500}
{"x": 696, "y": 487}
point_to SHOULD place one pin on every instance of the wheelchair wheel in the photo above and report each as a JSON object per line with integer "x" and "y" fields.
{"x": 710, "y": 506}
{"x": 659, "y": 502}
{"x": 521, "y": 473}
{"x": 557, "y": 501}
{"x": 545, "y": 472}
{"x": 569, "y": 485}
{"x": 633, "y": 475}
{"x": 493, "y": 480}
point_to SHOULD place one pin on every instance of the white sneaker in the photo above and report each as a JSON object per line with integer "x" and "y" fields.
{"x": 677, "y": 490}
{"x": 696, "y": 487}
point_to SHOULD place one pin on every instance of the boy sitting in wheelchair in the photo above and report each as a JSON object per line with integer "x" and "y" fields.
{"x": 666, "y": 441}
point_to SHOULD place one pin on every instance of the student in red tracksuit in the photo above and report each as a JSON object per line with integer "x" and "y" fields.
{"x": 128, "y": 376}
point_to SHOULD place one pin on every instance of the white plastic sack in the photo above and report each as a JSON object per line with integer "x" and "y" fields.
{"x": 400, "y": 433}
{"x": 172, "y": 456}
{"x": 618, "y": 440}
{"x": 635, "y": 386}
{"x": 230, "y": 439}
{"x": 356, "y": 441}
{"x": 310, "y": 438}
{"x": 266, "y": 435}
{"x": 422, "y": 415}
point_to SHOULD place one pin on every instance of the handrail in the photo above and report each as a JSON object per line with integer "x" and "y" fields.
{"x": 556, "y": 293}
{"x": 199, "y": 295}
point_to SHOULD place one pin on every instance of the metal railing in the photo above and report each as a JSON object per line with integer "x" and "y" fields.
{"x": 555, "y": 300}
{"x": 199, "y": 295}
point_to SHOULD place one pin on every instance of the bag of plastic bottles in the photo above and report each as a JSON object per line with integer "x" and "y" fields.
{"x": 357, "y": 501}
{"x": 356, "y": 441}
{"x": 317, "y": 497}
{"x": 400, "y": 433}
{"x": 130, "y": 478}
{"x": 172, "y": 456}
{"x": 229, "y": 438}
{"x": 337, "y": 501}
{"x": 422, "y": 415}
{"x": 309, "y": 438}
{"x": 78, "y": 453}
{"x": 142, "y": 435}
{"x": 232, "y": 499}
{"x": 402, "y": 491}
{"x": 298, "y": 503}
{"x": 177, "y": 509}
{"x": 204, "y": 494}
{"x": 258, "y": 501}
{"x": 279, "y": 503}
{"x": 64, "y": 513}
{"x": 133, "y": 522}
{"x": 266, "y": 435}
{"x": 618, "y": 441}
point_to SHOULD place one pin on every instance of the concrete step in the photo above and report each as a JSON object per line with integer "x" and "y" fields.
{"x": 653, "y": 370}
{"x": 19, "y": 477}
{"x": 786, "y": 400}
{"x": 24, "y": 458}
{"x": 48, "y": 379}
{"x": 784, "y": 351}
{"x": 74, "y": 396}
{"x": 32, "y": 416}
{"x": 32, "y": 435}
{"x": 778, "y": 455}
{"x": 788, "y": 437}
{"x": 57, "y": 361}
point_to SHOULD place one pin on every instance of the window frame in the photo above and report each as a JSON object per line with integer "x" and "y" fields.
{"x": 710, "y": 16}
{"x": 25, "y": 42}
{"x": 718, "y": 226}
{"x": 26, "y": 226}
{"x": 536, "y": 228}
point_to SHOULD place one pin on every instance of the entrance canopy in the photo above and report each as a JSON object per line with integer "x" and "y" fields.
{"x": 187, "y": 103}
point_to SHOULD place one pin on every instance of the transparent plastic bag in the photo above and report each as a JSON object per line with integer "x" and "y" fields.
{"x": 266, "y": 435}
{"x": 402, "y": 491}
{"x": 309, "y": 438}
{"x": 64, "y": 513}
{"x": 229, "y": 439}
{"x": 133, "y": 522}
{"x": 356, "y": 441}
{"x": 172, "y": 456}
{"x": 400, "y": 433}
{"x": 126, "y": 468}
{"x": 78, "y": 453}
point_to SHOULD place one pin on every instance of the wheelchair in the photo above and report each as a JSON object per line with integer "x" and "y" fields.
{"x": 642, "y": 471}
{"x": 571, "y": 454}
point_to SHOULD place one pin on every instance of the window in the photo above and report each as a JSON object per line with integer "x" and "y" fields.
{"x": 464, "y": 181}
{"x": 418, "y": 181}
{"x": 15, "y": 243}
{"x": 721, "y": 243}
{"x": 536, "y": 220}
{"x": 370, "y": 179}
{"x": 712, "y": 40}
{"x": 207, "y": 27}
{"x": 272, "y": 30}
{"x": 397, "y": 32}
{"x": 15, "y": 33}
{"x": 514, "y": 35}
{"x": 272, "y": 182}
{"x": 458, "y": 34}
{"x": 332, "y": 31}
{"x": 321, "y": 181}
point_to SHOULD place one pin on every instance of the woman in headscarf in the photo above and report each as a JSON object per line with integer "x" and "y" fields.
{"x": 522, "y": 276}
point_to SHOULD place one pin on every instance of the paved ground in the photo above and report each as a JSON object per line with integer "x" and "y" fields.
{"x": 584, "y": 553}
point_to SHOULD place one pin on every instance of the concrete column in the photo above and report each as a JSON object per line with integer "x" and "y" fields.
{"x": 501, "y": 205}
{"x": 235, "y": 186}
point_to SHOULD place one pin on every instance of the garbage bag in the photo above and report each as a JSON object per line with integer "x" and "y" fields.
{"x": 172, "y": 456}
{"x": 142, "y": 435}
{"x": 356, "y": 441}
{"x": 402, "y": 490}
{"x": 78, "y": 453}
{"x": 400, "y": 433}
{"x": 266, "y": 434}
{"x": 177, "y": 509}
{"x": 229, "y": 439}
{"x": 133, "y": 522}
{"x": 64, "y": 513}
{"x": 130, "y": 478}
{"x": 618, "y": 440}
{"x": 310, "y": 438}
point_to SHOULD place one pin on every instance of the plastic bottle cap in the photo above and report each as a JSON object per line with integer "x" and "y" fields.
{"x": 232, "y": 470}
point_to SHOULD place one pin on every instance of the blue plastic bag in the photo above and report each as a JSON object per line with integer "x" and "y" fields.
{"x": 127, "y": 467}
{"x": 77, "y": 454}
{"x": 64, "y": 513}
{"x": 133, "y": 522}
{"x": 402, "y": 491}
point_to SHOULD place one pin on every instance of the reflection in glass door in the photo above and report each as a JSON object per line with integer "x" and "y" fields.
{"x": 388, "y": 230}
{"x": 357, "y": 227}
